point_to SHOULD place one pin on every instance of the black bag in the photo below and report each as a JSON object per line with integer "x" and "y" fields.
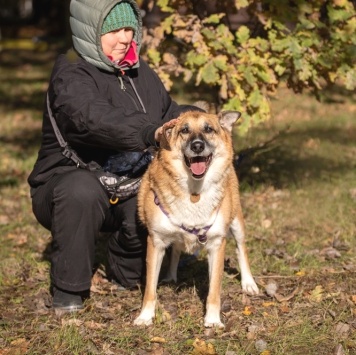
{"x": 121, "y": 174}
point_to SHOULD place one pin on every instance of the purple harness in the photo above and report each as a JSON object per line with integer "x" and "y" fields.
{"x": 200, "y": 233}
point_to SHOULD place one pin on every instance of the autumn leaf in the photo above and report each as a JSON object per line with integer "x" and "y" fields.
{"x": 301, "y": 273}
{"x": 203, "y": 348}
{"x": 317, "y": 294}
{"x": 157, "y": 340}
{"x": 247, "y": 311}
{"x": 353, "y": 298}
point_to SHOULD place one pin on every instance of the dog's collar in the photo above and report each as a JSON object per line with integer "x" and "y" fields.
{"x": 200, "y": 233}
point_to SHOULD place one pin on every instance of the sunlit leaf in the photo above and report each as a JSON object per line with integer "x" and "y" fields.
{"x": 243, "y": 34}
{"x": 209, "y": 73}
{"x": 317, "y": 294}
{"x": 215, "y": 18}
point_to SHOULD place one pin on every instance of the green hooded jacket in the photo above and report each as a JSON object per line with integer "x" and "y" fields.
{"x": 86, "y": 21}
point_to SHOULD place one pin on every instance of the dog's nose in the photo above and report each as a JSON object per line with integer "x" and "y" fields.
{"x": 197, "y": 146}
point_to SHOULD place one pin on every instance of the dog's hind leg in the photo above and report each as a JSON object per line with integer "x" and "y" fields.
{"x": 154, "y": 259}
{"x": 248, "y": 284}
{"x": 171, "y": 273}
{"x": 216, "y": 269}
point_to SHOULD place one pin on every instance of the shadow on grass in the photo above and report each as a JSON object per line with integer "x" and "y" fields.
{"x": 288, "y": 161}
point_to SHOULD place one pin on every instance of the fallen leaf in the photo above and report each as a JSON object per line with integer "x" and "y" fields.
{"x": 301, "y": 273}
{"x": 245, "y": 300}
{"x": 4, "y": 220}
{"x": 353, "y": 298}
{"x": 162, "y": 317}
{"x": 20, "y": 345}
{"x": 317, "y": 294}
{"x": 252, "y": 332}
{"x": 284, "y": 308}
{"x": 203, "y": 348}
{"x": 260, "y": 345}
{"x": 75, "y": 322}
{"x": 266, "y": 223}
{"x": 18, "y": 342}
{"x": 271, "y": 288}
{"x": 157, "y": 340}
{"x": 268, "y": 304}
{"x": 281, "y": 298}
{"x": 330, "y": 253}
{"x": 95, "y": 289}
{"x": 339, "y": 350}
{"x": 342, "y": 329}
{"x": 247, "y": 311}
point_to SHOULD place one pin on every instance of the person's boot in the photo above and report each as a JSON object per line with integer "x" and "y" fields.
{"x": 68, "y": 301}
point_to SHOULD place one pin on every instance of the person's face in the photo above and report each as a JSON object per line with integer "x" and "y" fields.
{"x": 115, "y": 44}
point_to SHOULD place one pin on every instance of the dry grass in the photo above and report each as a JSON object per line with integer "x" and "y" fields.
{"x": 299, "y": 198}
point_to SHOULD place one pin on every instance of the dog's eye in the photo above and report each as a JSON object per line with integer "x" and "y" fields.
{"x": 208, "y": 129}
{"x": 184, "y": 130}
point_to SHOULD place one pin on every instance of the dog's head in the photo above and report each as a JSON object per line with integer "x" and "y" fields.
{"x": 198, "y": 138}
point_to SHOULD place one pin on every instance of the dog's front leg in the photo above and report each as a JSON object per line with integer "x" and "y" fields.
{"x": 154, "y": 259}
{"x": 216, "y": 268}
{"x": 248, "y": 284}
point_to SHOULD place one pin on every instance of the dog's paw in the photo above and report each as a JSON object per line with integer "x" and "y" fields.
{"x": 212, "y": 320}
{"x": 143, "y": 321}
{"x": 208, "y": 324}
{"x": 250, "y": 287}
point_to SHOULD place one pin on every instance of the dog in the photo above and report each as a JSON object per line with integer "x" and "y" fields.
{"x": 189, "y": 198}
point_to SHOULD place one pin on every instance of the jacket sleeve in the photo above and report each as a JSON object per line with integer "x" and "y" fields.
{"x": 87, "y": 118}
{"x": 170, "y": 108}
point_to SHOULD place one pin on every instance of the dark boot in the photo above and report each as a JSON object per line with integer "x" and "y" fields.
{"x": 68, "y": 301}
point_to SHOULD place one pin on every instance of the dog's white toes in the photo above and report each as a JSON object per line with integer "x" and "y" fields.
{"x": 214, "y": 325}
{"x": 250, "y": 288}
{"x": 143, "y": 321}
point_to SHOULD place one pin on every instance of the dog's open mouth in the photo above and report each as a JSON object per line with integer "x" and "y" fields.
{"x": 198, "y": 165}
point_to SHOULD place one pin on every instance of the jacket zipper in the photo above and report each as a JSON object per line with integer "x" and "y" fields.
{"x": 123, "y": 88}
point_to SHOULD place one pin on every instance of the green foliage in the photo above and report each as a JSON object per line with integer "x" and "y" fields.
{"x": 305, "y": 44}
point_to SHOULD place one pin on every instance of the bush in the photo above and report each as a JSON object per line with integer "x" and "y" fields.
{"x": 246, "y": 48}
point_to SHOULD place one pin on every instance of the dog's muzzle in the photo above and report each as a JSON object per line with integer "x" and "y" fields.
{"x": 198, "y": 164}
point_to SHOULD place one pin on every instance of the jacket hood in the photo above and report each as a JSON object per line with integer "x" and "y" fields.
{"x": 86, "y": 21}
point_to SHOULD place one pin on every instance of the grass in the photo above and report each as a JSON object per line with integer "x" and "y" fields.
{"x": 298, "y": 194}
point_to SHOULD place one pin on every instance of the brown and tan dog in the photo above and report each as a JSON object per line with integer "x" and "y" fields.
{"x": 189, "y": 198}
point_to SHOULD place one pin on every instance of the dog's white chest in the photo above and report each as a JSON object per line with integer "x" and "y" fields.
{"x": 189, "y": 227}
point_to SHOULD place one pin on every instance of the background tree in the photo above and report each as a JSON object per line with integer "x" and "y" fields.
{"x": 243, "y": 49}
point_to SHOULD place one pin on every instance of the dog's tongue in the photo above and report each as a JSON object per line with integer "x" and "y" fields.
{"x": 198, "y": 166}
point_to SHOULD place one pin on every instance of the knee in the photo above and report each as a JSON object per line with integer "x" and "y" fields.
{"x": 82, "y": 187}
{"x": 132, "y": 237}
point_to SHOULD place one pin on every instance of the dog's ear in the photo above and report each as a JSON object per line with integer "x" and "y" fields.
{"x": 167, "y": 129}
{"x": 228, "y": 118}
{"x": 165, "y": 137}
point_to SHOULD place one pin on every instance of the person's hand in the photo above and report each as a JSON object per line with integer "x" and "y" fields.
{"x": 159, "y": 130}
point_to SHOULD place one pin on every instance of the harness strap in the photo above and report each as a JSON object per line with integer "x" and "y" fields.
{"x": 200, "y": 233}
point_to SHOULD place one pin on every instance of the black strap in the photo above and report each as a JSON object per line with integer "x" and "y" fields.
{"x": 67, "y": 150}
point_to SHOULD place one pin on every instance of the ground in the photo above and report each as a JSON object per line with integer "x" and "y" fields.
{"x": 298, "y": 191}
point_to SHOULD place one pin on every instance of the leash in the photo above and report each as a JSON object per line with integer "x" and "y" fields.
{"x": 200, "y": 233}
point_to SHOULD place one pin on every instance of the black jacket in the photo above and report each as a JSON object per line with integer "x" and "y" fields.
{"x": 100, "y": 113}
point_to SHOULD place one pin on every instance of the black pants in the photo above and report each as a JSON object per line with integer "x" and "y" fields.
{"x": 75, "y": 208}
